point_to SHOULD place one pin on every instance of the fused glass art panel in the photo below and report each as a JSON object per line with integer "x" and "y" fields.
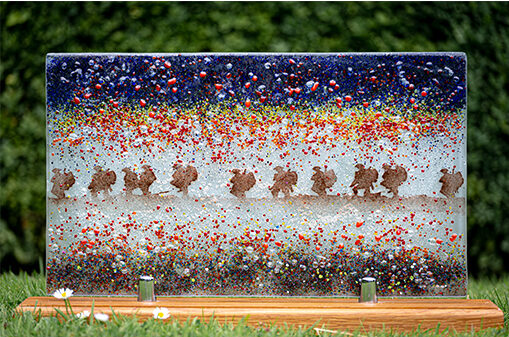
{"x": 257, "y": 174}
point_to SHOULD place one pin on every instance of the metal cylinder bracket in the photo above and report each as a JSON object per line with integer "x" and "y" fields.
{"x": 146, "y": 289}
{"x": 368, "y": 290}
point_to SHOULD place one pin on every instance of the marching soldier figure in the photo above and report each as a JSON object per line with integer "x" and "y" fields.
{"x": 130, "y": 181}
{"x": 284, "y": 182}
{"x": 147, "y": 177}
{"x": 183, "y": 177}
{"x": 242, "y": 182}
{"x": 364, "y": 179}
{"x": 102, "y": 181}
{"x": 393, "y": 178}
{"x": 451, "y": 182}
{"x": 322, "y": 180}
{"x": 61, "y": 183}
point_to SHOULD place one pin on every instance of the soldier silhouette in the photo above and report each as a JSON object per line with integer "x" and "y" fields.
{"x": 61, "y": 183}
{"x": 102, "y": 181}
{"x": 242, "y": 182}
{"x": 364, "y": 179}
{"x": 131, "y": 181}
{"x": 451, "y": 182}
{"x": 393, "y": 178}
{"x": 147, "y": 177}
{"x": 322, "y": 180}
{"x": 284, "y": 182}
{"x": 183, "y": 177}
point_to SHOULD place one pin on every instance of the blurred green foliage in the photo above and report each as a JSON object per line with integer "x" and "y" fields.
{"x": 30, "y": 30}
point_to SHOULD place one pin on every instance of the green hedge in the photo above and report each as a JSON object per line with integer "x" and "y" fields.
{"x": 30, "y": 30}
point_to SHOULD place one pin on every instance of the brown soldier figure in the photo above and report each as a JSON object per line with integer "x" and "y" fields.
{"x": 284, "y": 182}
{"x": 61, "y": 182}
{"x": 364, "y": 179}
{"x": 322, "y": 180}
{"x": 393, "y": 178}
{"x": 130, "y": 181}
{"x": 451, "y": 182}
{"x": 102, "y": 181}
{"x": 183, "y": 177}
{"x": 242, "y": 182}
{"x": 147, "y": 177}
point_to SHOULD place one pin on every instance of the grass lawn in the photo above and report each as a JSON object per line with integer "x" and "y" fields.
{"x": 15, "y": 288}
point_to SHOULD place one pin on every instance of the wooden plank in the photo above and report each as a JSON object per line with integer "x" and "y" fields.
{"x": 337, "y": 314}
{"x": 270, "y": 302}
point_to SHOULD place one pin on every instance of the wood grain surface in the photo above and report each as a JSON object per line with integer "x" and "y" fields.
{"x": 336, "y": 314}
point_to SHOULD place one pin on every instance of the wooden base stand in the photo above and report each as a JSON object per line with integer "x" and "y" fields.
{"x": 333, "y": 314}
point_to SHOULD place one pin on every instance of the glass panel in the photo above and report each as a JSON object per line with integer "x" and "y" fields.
{"x": 257, "y": 174}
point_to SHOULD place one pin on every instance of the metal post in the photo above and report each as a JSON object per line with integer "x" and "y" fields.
{"x": 368, "y": 290}
{"x": 146, "y": 289}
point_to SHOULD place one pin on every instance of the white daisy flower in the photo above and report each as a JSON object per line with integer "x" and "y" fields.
{"x": 63, "y": 294}
{"x": 161, "y": 313}
{"x": 101, "y": 317}
{"x": 84, "y": 314}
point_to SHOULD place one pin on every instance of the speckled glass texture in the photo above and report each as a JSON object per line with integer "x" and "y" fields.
{"x": 257, "y": 174}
